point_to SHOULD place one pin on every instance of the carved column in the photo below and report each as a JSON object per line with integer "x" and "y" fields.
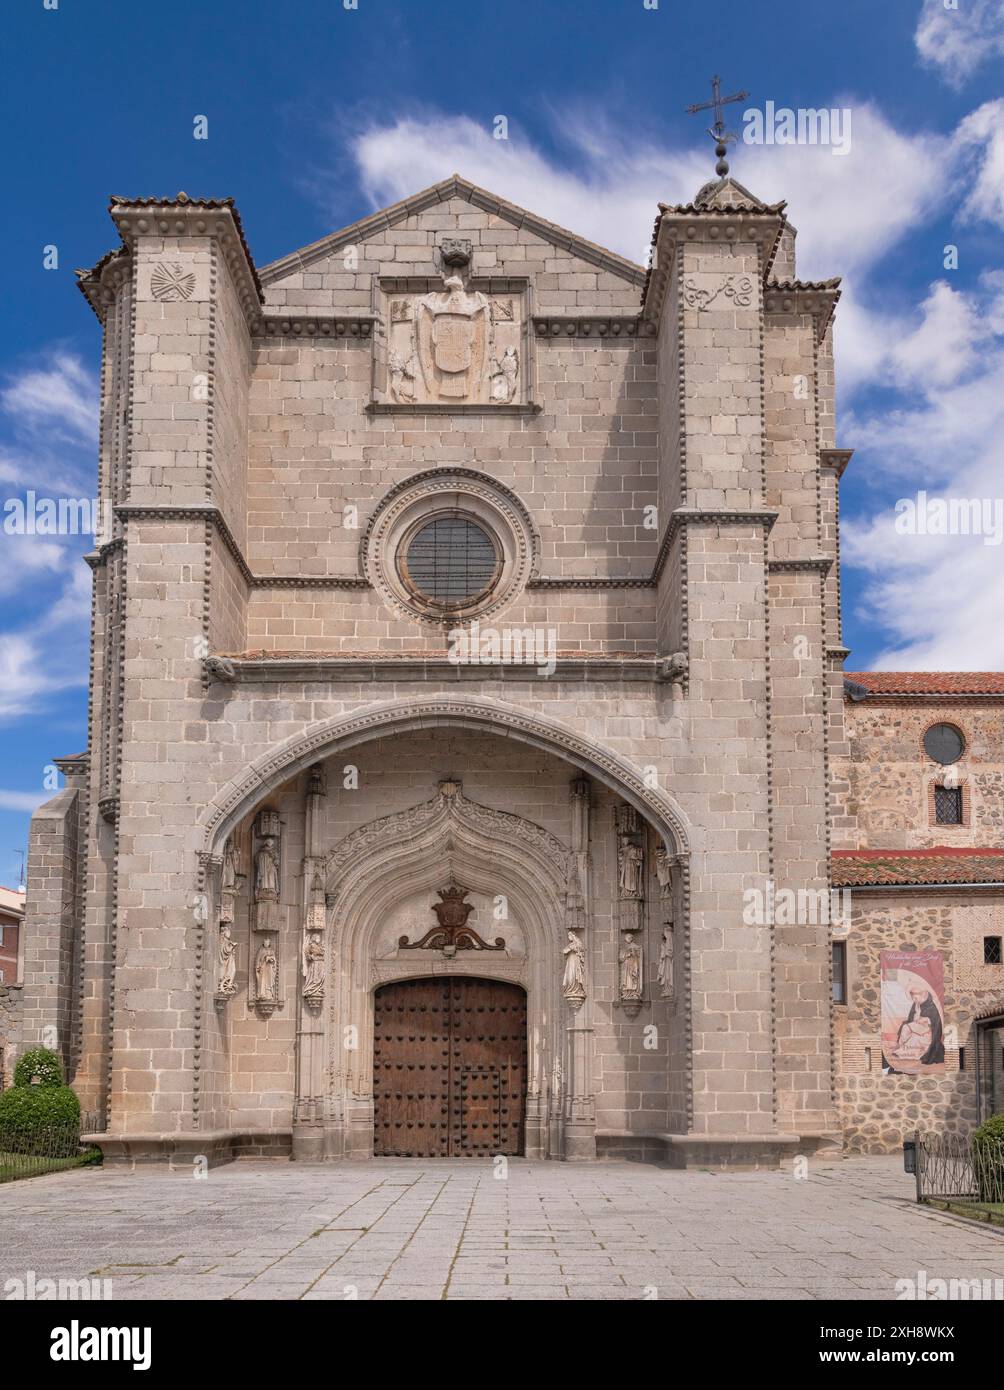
{"x": 226, "y": 949}
{"x": 579, "y": 1108}
{"x": 309, "y": 1114}
{"x": 665, "y": 864}
{"x": 630, "y": 910}
{"x": 264, "y": 973}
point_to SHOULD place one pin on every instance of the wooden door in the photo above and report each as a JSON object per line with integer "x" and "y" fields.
{"x": 449, "y": 1068}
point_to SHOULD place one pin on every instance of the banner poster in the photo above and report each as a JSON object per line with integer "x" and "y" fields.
{"x": 913, "y": 1012}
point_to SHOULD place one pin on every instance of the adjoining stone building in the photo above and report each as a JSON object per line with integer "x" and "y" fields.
{"x": 466, "y": 669}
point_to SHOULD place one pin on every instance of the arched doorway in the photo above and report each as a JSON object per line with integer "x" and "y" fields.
{"x": 449, "y": 1068}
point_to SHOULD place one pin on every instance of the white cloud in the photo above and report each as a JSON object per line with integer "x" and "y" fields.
{"x": 979, "y": 144}
{"x": 611, "y": 198}
{"x": 61, "y": 397}
{"x": 939, "y": 597}
{"x": 49, "y": 655}
{"x": 959, "y": 39}
{"x": 22, "y": 801}
{"x": 26, "y": 559}
{"x": 51, "y": 414}
{"x": 849, "y": 209}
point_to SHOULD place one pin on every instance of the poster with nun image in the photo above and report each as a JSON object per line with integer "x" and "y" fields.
{"x": 913, "y": 1013}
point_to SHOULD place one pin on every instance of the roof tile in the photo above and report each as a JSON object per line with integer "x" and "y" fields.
{"x": 861, "y": 868}
{"x": 928, "y": 682}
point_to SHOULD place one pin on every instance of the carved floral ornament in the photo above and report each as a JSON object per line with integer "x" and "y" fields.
{"x": 737, "y": 289}
{"x": 448, "y": 813}
{"x": 448, "y": 493}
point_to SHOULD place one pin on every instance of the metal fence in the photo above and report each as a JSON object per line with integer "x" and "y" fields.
{"x": 44, "y": 1150}
{"x": 958, "y": 1167}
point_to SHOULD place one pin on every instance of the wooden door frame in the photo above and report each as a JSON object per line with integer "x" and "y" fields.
{"x": 474, "y": 977}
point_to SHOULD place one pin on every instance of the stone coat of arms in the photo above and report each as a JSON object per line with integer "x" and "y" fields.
{"x": 453, "y": 327}
{"x": 452, "y": 345}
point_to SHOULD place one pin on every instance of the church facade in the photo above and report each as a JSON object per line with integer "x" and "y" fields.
{"x": 472, "y": 768}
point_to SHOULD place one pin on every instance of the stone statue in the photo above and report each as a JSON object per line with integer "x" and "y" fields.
{"x": 266, "y": 871}
{"x": 504, "y": 371}
{"x": 265, "y": 968}
{"x": 664, "y": 870}
{"x": 228, "y": 882}
{"x": 313, "y": 966}
{"x": 630, "y": 962}
{"x": 573, "y": 984}
{"x": 229, "y": 876}
{"x": 403, "y": 371}
{"x": 630, "y": 858}
{"x": 228, "y": 963}
{"x": 665, "y": 972}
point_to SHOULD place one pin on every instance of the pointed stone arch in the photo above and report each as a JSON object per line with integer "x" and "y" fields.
{"x": 265, "y": 774}
{"x": 490, "y": 852}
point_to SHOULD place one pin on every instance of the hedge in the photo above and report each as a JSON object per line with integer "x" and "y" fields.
{"x": 38, "y": 1067}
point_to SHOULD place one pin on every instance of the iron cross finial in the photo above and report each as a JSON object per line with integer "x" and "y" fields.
{"x": 718, "y": 133}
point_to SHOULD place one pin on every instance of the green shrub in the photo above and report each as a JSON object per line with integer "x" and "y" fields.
{"x": 990, "y": 1130}
{"x": 988, "y": 1158}
{"x": 39, "y": 1067}
{"x": 40, "y": 1119}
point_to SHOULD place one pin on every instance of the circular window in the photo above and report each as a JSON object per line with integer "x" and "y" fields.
{"x": 944, "y": 743}
{"x": 449, "y": 545}
{"x": 451, "y": 562}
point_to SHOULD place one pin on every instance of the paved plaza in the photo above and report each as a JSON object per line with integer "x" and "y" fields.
{"x": 415, "y": 1229}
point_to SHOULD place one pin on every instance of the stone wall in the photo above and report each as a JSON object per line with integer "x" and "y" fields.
{"x": 52, "y": 937}
{"x": 10, "y": 1032}
{"x": 879, "y": 1111}
{"x": 889, "y": 775}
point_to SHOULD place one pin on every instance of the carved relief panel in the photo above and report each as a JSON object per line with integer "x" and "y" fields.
{"x": 458, "y": 341}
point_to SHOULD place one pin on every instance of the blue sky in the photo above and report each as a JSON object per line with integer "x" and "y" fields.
{"x": 318, "y": 114}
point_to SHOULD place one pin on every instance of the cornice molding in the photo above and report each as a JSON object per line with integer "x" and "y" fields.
{"x": 101, "y": 283}
{"x": 725, "y": 516}
{"x": 216, "y": 219}
{"x": 837, "y": 459}
{"x": 821, "y": 564}
{"x": 598, "y": 581}
{"x": 557, "y": 326}
{"x": 205, "y": 511}
{"x": 319, "y": 326}
{"x": 727, "y": 226}
{"x": 211, "y": 513}
{"x": 438, "y": 408}
{"x": 282, "y": 669}
{"x": 818, "y": 301}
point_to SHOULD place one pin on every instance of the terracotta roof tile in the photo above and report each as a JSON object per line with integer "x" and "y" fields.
{"x": 860, "y": 868}
{"x": 804, "y": 284}
{"x": 928, "y": 682}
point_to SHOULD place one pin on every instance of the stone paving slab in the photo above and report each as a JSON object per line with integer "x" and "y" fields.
{"x": 396, "y": 1229}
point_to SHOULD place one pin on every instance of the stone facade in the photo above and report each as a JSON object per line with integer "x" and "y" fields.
{"x": 635, "y": 723}
{"x": 887, "y": 805}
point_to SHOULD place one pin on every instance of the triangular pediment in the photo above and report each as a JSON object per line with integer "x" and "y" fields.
{"x": 730, "y": 193}
{"x": 454, "y": 187}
